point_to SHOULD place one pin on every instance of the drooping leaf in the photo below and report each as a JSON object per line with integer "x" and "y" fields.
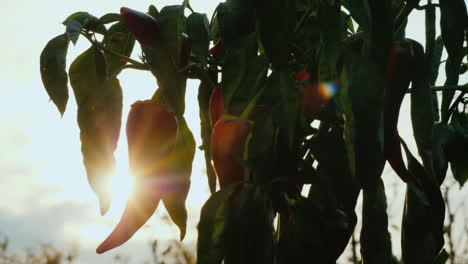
{"x": 330, "y": 16}
{"x": 179, "y": 167}
{"x": 329, "y": 211}
{"x": 249, "y": 230}
{"x": 361, "y": 91}
{"x": 434, "y": 73}
{"x": 376, "y": 245}
{"x": 109, "y": 18}
{"x": 88, "y": 21}
{"x": 163, "y": 58}
{"x": 423, "y": 223}
{"x": 276, "y": 25}
{"x": 119, "y": 39}
{"x": 99, "y": 103}
{"x": 87, "y": 72}
{"x": 422, "y": 117}
{"x": 171, "y": 21}
{"x": 212, "y": 226}
{"x": 235, "y": 19}
{"x": 453, "y": 17}
{"x": 457, "y": 149}
{"x": 281, "y": 88}
{"x": 205, "y": 91}
{"x": 73, "y": 30}
{"x": 198, "y": 29}
{"x": 313, "y": 230}
{"x": 53, "y": 73}
{"x": 235, "y": 67}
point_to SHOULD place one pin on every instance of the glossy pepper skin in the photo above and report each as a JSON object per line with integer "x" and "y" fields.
{"x": 397, "y": 76}
{"x": 227, "y": 147}
{"x": 216, "y": 105}
{"x": 143, "y": 26}
{"x": 151, "y": 134}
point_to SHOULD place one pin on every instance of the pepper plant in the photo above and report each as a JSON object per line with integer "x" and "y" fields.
{"x": 267, "y": 71}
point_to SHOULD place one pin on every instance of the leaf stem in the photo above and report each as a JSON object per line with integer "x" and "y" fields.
{"x": 110, "y": 51}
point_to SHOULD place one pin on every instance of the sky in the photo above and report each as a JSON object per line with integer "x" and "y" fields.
{"x": 43, "y": 184}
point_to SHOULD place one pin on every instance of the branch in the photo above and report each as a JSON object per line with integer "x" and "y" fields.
{"x": 110, "y": 51}
{"x": 424, "y": 7}
{"x": 462, "y": 88}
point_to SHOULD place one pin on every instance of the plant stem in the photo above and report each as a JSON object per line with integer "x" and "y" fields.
{"x": 110, "y": 51}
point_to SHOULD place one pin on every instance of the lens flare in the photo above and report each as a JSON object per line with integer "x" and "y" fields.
{"x": 328, "y": 89}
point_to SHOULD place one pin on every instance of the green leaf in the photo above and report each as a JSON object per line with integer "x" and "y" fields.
{"x": 205, "y": 91}
{"x": 276, "y": 24}
{"x": 87, "y": 72}
{"x": 249, "y": 229}
{"x": 235, "y": 20}
{"x": 434, "y": 73}
{"x": 442, "y": 135}
{"x": 212, "y": 226}
{"x": 422, "y": 117}
{"x": 99, "y": 103}
{"x": 452, "y": 12}
{"x": 99, "y": 120}
{"x": 53, "y": 73}
{"x": 171, "y": 21}
{"x": 236, "y": 225}
{"x": 281, "y": 87}
{"x": 121, "y": 40}
{"x": 361, "y": 98}
{"x": 198, "y": 29}
{"x": 235, "y": 66}
{"x": 179, "y": 165}
{"x": 442, "y": 257}
{"x": 313, "y": 230}
{"x": 332, "y": 198}
{"x": 109, "y": 18}
{"x": 73, "y": 30}
{"x": 376, "y": 246}
{"x": 88, "y": 21}
{"x": 153, "y": 11}
{"x": 255, "y": 77}
{"x": 163, "y": 58}
{"x": 422, "y": 240}
{"x": 330, "y": 40}
{"x": 457, "y": 149}
{"x": 358, "y": 13}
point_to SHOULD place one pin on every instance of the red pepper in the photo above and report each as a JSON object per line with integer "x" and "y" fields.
{"x": 151, "y": 134}
{"x": 397, "y": 80}
{"x": 143, "y": 26}
{"x": 216, "y": 105}
{"x": 227, "y": 147}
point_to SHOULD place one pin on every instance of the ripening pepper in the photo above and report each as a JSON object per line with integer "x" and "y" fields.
{"x": 143, "y": 26}
{"x": 152, "y": 131}
{"x": 397, "y": 76}
{"x": 227, "y": 148}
